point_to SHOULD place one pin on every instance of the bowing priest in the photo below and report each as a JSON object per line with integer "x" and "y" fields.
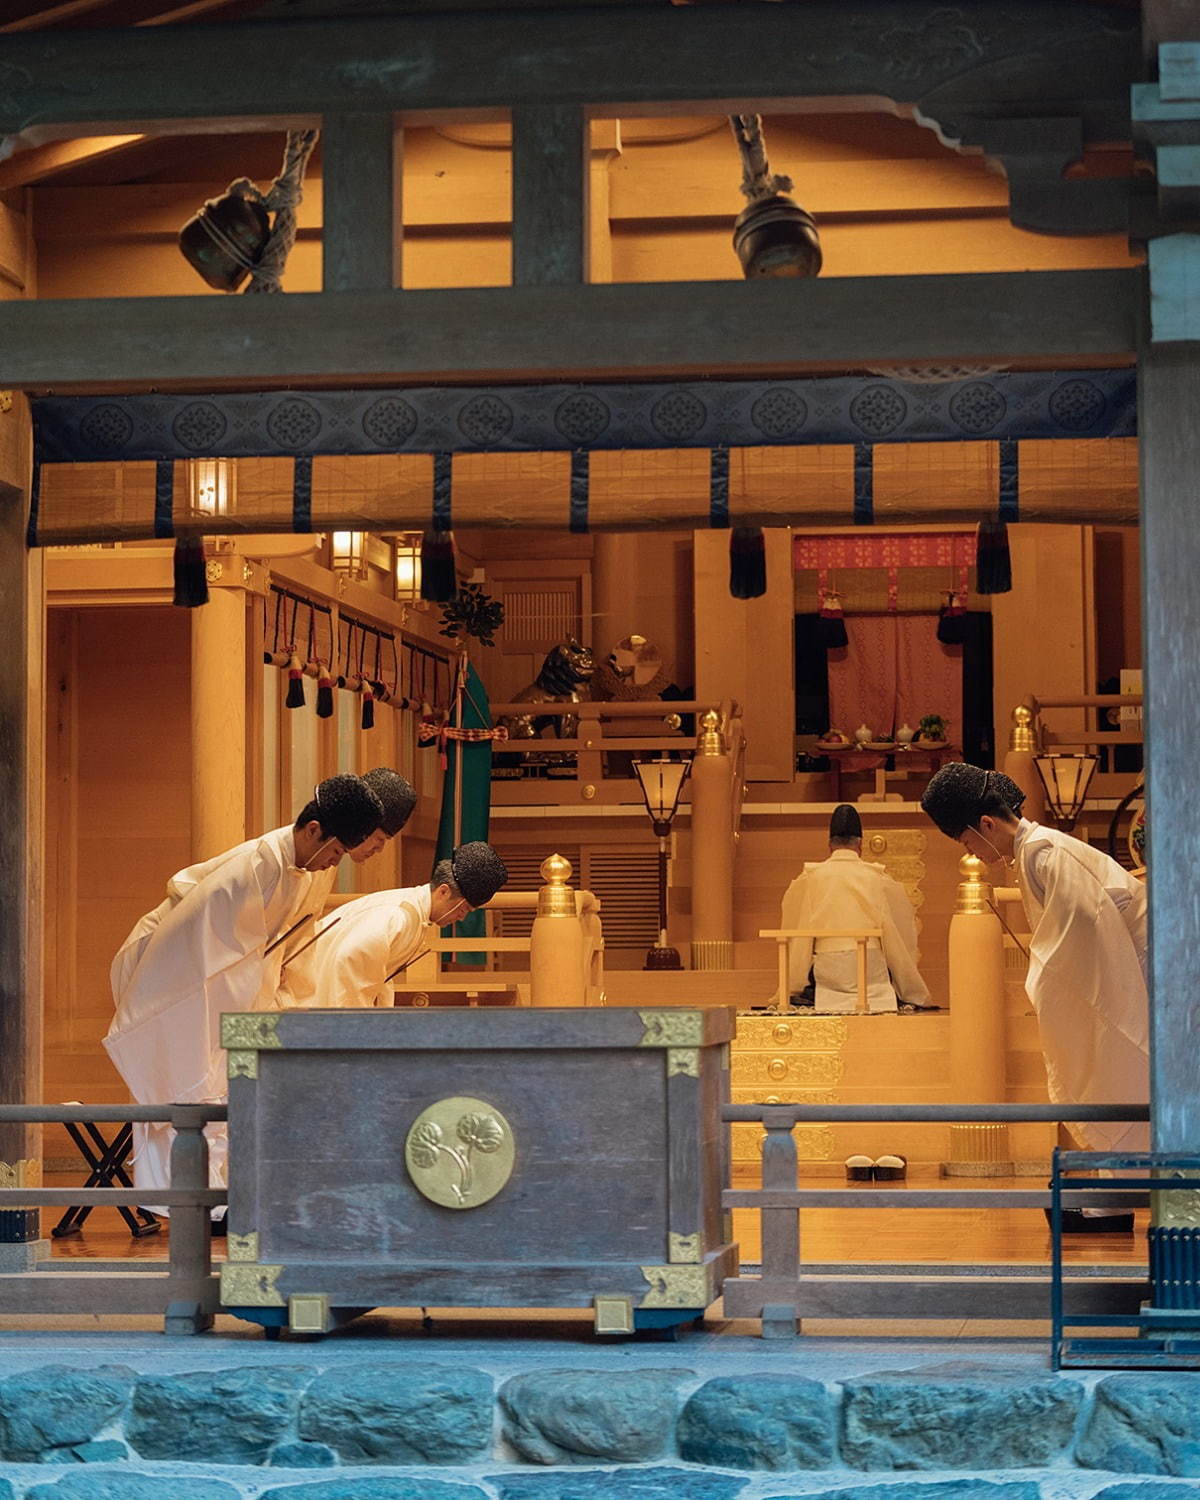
{"x": 297, "y": 984}
{"x": 378, "y": 935}
{"x": 847, "y": 893}
{"x": 1087, "y": 953}
{"x": 216, "y": 949}
{"x": 397, "y": 797}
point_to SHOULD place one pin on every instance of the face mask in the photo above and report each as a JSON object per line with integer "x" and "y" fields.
{"x": 1000, "y": 858}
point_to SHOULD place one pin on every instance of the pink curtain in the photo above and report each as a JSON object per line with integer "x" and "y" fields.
{"x": 894, "y": 671}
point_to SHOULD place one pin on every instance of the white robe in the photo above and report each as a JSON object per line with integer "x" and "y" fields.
{"x": 845, "y": 892}
{"x": 183, "y": 881}
{"x": 374, "y": 936}
{"x": 1087, "y": 977}
{"x": 204, "y": 954}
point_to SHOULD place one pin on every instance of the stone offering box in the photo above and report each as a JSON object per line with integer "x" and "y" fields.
{"x": 477, "y": 1158}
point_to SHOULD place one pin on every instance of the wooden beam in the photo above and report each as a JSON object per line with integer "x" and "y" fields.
{"x": 51, "y": 15}
{"x": 550, "y": 194}
{"x": 524, "y": 333}
{"x": 361, "y": 202}
{"x": 646, "y": 59}
{"x": 38, "y": 163}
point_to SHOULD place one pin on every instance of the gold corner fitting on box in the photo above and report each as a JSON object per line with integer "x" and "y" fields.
{"x": 672, "y": 1028}
{"x": 250, "y": 1031}
{"x": 241, "y": 1064}
{"x": 685, "y": 1060}
{"x": 683, "y": 1249}
{"x": 308, "y": 1312}
{"x": 246, "y": 1285}
{"x": 613, "y": 1314}
{"x": 242, "y": 1247}
{"x": 678, "y": 1286}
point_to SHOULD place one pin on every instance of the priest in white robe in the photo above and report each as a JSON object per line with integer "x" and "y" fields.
{"x": 846, "y": 893}
{"x": 366, "y": 942}
{"x": 1087, "y": 951}
{"x": 217, "y": 949}
{"x": 398, "y": 799}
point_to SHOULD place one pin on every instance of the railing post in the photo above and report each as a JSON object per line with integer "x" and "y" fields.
{"x": 1019, "y": 766}
{"x": 978, "y": 1041}
{"x": 190, "y": 1282}
{"x": 712, "y": 847}
{"x": 556, "y": 940}
{"x": 780, "y": 1226}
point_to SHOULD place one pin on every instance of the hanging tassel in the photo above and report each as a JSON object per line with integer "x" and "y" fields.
{"x": 832, "y": 626}
{"x": 191, "y": 581}
{"x": 952, "y": 621}
{"x": 439, "y": 571}
{"x": 325, "y": 694}
{"x": 295, "y": 692}
{"x": 368, "y": 705}
{"x": 993, "y": 563}
{"x": 747, "y": 562}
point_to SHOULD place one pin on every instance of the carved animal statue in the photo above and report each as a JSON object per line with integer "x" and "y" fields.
{"x": 565, "y": 677}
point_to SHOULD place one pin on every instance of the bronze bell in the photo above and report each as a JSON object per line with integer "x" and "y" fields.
{"x": 775, "y": 237}
{"x": 225, "y": 239}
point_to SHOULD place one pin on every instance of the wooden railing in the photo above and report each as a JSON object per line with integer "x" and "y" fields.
{"x": 861, "y": 937}
{"x": 786, "y": 1291}
{"x": 1029, "y": 736}
{"x": 183, "y": 1288}
{"x": 427, "y": 976}
{"x": 600, "y": 726}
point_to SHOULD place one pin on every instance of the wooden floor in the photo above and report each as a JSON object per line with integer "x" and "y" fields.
{"x": 933, "y": 1236}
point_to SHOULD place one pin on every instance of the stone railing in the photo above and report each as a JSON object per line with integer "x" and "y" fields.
{"x": 187, "y": 1293}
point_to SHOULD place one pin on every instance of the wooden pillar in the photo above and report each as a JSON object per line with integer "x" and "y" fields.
{"x": 978, "y": 1044}
{"x": 745, "y": 649}
{"x": 550, "y": 236}
{"x": 1169, "y": 444}
{"x": 22, "y": 714}
{"x": 1019, "y": 766}
{"x": 556, "y": 975}
{"x": 219, "y": 690}
{"x": 361, "y": 225}
{"x": 712, "y": 848}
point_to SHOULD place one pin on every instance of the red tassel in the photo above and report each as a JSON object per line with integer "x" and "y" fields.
{"x": 832, "y": 625}
{"x": 295, "y": 692}
{"x": 368, "y": 706}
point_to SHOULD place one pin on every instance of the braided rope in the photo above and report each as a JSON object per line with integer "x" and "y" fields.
{"x": 282, "y": 199}
{"x": 758, "y": 181}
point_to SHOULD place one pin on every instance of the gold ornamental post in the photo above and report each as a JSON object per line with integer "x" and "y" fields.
{"x": 556, "y": 976}
{"x": 978, "y": 1041}
{"x": 1019, "y": 763}
{"x": 712, "y": 847}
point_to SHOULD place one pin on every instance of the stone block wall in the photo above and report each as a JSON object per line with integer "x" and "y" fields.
{"x": 107, "y": 1433}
